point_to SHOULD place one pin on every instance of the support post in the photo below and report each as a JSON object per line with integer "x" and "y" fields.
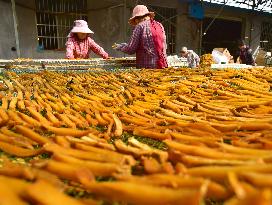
{"x": 15, "y": 23}
{"x": 200, "y": 37}
{"x": 201, "y": 33}
{"x": 125, "y": 22}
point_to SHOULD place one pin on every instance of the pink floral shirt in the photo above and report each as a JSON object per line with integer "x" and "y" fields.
{"x": 76, "y": 48}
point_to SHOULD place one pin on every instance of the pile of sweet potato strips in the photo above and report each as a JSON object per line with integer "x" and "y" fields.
{"x": 154, "y": 137}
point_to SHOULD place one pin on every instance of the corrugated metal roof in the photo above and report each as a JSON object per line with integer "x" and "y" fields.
{"x": 256, "y": 5}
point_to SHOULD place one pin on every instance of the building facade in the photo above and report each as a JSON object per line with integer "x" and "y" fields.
{"x": 39, "y": 28}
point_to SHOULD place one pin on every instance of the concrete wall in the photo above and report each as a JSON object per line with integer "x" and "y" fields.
{"x": 27, "y": 31}
{"x": 108, "y": 21}
{"x": 254, "y": 34}
{"x": 26, "y": 16}
{"x": 188, "y": 29}
{"x": 108, "y": 26}
{"x": 28, "y": 35}
{"x": 7, "y": 37}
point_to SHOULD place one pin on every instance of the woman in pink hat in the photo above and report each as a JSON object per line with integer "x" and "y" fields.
{"x": 148, "y": 40}
{"x": 80, "y": 44}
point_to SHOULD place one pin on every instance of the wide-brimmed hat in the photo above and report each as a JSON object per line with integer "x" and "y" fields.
{"x": 81, "y": 26}
{"x": 138, "y": 11}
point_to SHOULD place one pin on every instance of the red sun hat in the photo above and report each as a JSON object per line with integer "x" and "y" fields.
{"x": 138, "y": 11}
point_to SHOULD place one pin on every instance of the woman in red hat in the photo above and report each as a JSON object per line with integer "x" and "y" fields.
{"x": 148, "y": 40}
{"x": 80, "y": 44}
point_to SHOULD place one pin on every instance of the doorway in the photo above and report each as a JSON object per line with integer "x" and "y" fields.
{"x": 221, "y": 34}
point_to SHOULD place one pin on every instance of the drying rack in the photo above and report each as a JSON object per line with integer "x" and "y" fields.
{"x": 65, "y": 64}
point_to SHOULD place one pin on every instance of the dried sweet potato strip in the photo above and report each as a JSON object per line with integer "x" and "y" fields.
{"x": 128, "y": 192}
{"x": 89, "y": 155}
{"x": 215, "y": 190}
{"x": 18, "y": 151}
{"x": 68, "y": 131}
{"x": 207, "y": 152}
{"x": 38, "y": 116}
{"x": 8, "y": 196}
{"x": 31, "y": 134}
{"x": 97, "y": 168}
{"x": 151, "y": 134}
{"x": 40, "y": 190}
{"x": 220, "y": 172}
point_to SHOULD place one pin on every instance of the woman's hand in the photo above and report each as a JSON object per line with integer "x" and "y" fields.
{"x": 118, "y": 46}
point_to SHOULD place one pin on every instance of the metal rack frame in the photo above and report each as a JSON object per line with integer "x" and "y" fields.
{"x": 64, "y": 64}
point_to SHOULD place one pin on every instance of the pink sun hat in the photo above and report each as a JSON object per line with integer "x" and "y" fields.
{"x": 140, "y": 10}
{"x": 81, "y": 26}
